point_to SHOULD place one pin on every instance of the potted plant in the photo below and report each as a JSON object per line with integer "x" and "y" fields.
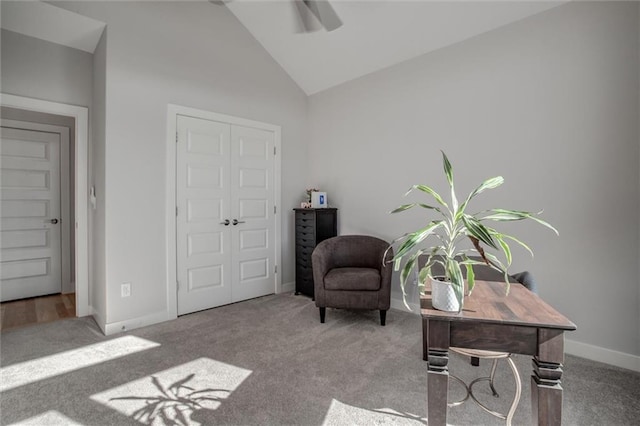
{"x": 455, "y": 226}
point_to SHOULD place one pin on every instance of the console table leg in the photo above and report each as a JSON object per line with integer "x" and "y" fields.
{"x": 425, "y": 338}
{"x": 546, "y": 392}
{"x": 436, "y": 338}
{"x": 437, "y": 387}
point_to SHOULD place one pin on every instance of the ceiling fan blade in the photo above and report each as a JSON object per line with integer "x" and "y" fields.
{"x": 325, "y": 13}
{"x": 306, "y": 21}
{"x": 312, "y": 14}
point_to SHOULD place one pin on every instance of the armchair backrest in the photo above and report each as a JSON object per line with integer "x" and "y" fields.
{"x": 357, "y": 251}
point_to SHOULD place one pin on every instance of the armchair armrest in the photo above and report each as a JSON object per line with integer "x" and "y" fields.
{"x": 321, "y": 261}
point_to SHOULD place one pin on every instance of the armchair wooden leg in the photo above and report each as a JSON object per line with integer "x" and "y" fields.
{"x": 383, "y": 317}
{"x": 322, "y": 312}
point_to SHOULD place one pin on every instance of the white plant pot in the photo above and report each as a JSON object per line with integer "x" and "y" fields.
{"x": 443, "y": 296}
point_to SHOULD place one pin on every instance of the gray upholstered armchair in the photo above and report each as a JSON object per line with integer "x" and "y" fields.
{"x": 349, "y": 272}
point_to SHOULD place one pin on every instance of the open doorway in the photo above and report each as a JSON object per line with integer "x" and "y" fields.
{"x": 68, "y": 230}
{"x": 38, "y": 245}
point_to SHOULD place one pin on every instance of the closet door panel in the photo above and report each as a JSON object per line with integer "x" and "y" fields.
{"x": 252, "y": 211}
{"x": 203, "y": 194}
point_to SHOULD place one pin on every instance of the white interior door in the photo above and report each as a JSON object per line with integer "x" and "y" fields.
{"x": 252, "y": 211}
{"x": 30, "y": 253}
{"x": 225, "y": 225}
{"x": 203, "y": 238}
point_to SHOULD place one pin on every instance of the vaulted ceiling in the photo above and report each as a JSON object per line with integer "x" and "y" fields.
{"x": 375, "y": 33}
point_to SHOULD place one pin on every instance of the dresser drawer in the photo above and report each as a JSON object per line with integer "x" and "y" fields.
{"x": 304, "y": 273}
{"x": 306, "y": 219}
{"x": 305, "y": 214}
{"x": 305, "y": 229}
{"x": 304, "y": 251}
{"x": 304, "y": 261}
{"x": 305, "y": 241}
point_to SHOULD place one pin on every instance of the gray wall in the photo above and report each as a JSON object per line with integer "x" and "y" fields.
{"x": 193, "y": 54}
{"x": 97, "y": 238}
{"x": 550, "y": 103}
{"x": 39, "y": 69}
{"x": 34, "y": 68}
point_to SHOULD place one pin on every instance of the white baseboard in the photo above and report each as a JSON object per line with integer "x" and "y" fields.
{"x": 287, "y": 287}
{"x": 571, "y": 347}
{"x": 130, "y": 324}
{"x": 607, "y": 356}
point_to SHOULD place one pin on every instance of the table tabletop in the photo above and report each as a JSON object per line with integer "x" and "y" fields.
{"x": 489, "y": 303}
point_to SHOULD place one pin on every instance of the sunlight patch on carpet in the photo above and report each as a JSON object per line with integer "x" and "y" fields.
{"x": 175, "y": 396}
{"x": 46, "y": 367}
{"x": 340, "y": 413}
{"x": 49, "y": 418}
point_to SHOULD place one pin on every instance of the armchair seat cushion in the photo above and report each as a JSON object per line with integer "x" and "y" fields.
{"x": 352, "y": 279}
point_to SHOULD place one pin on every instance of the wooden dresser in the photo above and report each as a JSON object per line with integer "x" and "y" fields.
{"x": 312, "y": 227}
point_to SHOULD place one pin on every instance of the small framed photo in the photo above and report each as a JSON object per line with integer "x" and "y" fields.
{"x": 319, "y": 200}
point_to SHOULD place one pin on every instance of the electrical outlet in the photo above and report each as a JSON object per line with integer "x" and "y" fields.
{"x": 125, "y": 290}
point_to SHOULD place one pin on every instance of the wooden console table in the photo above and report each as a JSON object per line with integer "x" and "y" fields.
{"x": 520, "y": 323}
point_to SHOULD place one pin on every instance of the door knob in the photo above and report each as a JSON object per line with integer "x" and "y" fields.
{"x": 236, "y": 221}
{"x": 54, "y": 221}
{"x": 225, "y": 223}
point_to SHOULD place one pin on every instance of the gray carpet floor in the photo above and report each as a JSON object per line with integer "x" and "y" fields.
{"x": 268, "y": 361}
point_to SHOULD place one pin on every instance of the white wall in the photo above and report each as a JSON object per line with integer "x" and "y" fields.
{"x": 193, "y": 54}
{"x": 550, "y": 103}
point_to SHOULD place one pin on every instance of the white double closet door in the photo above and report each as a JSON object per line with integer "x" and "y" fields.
{"x": 225, "y": 213}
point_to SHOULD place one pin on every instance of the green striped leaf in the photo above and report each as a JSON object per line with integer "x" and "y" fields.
{"x": 478, "y": 230}
{"x": 424, "y": 273}
{"x": 404, "y": 275}
{"x": 416, "y": 238}
{"x": 543, "y": 223}
{"x": 448, "y": 170}
{"x": 431, "y": 192}
{"x": 504, "y": 215}
{"x": 457, "y": 281}
{"x": 497, "y": 265}
{"x": 490, "y": 183}
{"x": 403, "y": 208}
{"x": 505, "y": 248}
{"x": 427, "y": 206}
{"x": 514, "y": 239}
{"x": 471, "y": 277}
